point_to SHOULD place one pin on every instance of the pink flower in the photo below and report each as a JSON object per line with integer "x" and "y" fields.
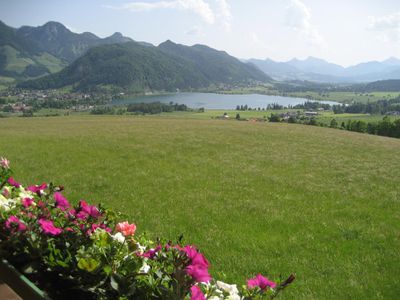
{"x": 49, "y": 228}
{"x": 125, "y": 228}
{"x": 87, "y": 210}
{"x": 198, "y": 273}
{"x": 4, "y": 163}
{"x": 61, "y": 201}
{"x": 13, "y": 182}
{"x": 6, "y": 192}
{"x": 12, "y": 221}
{"x": 38, "y": 189}
{"x": 196, "y": 257}
{"x": 196, "y": 293}
{"x": 198, "y": 267}
{"x": 260, "y": 281}
{"x": 152, "y": 252}
{"x": 26, "y": 202}
{"x": 95, "y": 226}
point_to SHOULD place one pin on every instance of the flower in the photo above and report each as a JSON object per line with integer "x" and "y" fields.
{"x": 93, "y": 228}
{"x": 145, "y": 268}
{"x": 4, "y": 163}
{"x": 13, "y": 182}
{"x": 125, "y": 228}
{"x": 198, "y": 267}
{"x": 229, "y": 288}
{"x": 38, "y": 189}
{"x": 198, "y": 273}
{"x": 196, "y": 293}
{"x": 196, "y": 257}
{"x": 26, "y": 202}
{"x": 61, "y": 201}
{"x": 13, "y": 220}
{"x": 49, "y": 228}
{"x": 151, "y": 253}
{"x": 118, "y": 237}
{"x": 87, "y": 210}
{"x": 260, "y": 281}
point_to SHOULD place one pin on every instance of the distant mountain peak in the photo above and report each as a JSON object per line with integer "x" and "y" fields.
{"x": 392, "y": 61}
{"x": 117, "y": 34}
{"x": 55, "y": 25}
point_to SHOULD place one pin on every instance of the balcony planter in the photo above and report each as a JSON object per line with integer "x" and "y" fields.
{"x": 19, "y": 283}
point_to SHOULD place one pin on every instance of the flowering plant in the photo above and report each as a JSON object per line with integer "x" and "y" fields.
{"x": 82, "y": 251}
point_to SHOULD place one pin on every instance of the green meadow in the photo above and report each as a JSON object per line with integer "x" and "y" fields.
{"x": 255, "y": 197}
{"x": 346, "y": 97}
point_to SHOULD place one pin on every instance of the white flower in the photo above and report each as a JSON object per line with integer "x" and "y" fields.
{"x": 229, "y": 288}
{"x": 5, "y": 203}
{"x": 25, "y": 194}
{"x": 145, "y": 268}
{"x": 119, "y": 237}
{"x": 141, "y": 248}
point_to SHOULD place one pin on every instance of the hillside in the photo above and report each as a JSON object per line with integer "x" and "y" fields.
{"x": 21, "y": 59}
{"x": 280, "y": 198}
{"x": 136, "y": 67}
{"x": 392, "y": 85}
{"x": 30, "y": 52}
{"x": 217, "y": 66}
{"x": 56, "y": 39}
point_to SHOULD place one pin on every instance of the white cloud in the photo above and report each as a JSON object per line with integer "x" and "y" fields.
{"x": 195, "y": 31}
{"x": 388, "y": 27}
{"x": 298, "y": 17}
{"x": 198, "y": 7}
{"x": 224, "y": 14}
{"x": 258, "y": 42}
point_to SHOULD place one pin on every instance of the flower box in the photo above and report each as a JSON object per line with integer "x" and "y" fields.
{"x": 19, "y": 283}
{"x": 84, "y": 251}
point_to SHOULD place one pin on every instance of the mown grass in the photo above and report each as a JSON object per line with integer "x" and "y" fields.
{"x": 255, "y": 197}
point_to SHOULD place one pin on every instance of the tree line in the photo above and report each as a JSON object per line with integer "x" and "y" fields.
{"x": 379, "y": 107}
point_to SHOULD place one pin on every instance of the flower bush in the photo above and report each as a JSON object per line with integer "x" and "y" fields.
{"x": 83, "y": 251}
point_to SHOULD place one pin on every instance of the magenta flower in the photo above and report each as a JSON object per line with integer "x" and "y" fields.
{"x": 198, "y": 273}
{"x": 4, "y": 163}
{"x": 95, "y": 226}
{"x": 196, "y": 257}
{"x": 152, "y": 252}
{"x": 13, "y": 182}
{"x": 49, "y": 228}
{"x": 196, "y": 293}
{"x": 87, "y": 210}
{"x": 61, "y": 201}
{"x": 13, "y": 221}
{"x": 198, "y": 267}
{"x": 260, "y": 281}
{"x": 38, "y": 189}
{"x": 26, "y": 202}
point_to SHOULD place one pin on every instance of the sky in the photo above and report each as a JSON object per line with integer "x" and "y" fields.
{"x": 344, "y": 32}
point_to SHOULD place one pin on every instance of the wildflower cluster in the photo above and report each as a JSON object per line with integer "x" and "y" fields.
{"x": 82, "y": 251}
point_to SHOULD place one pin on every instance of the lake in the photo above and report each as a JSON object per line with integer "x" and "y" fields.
{"x": 217, "y": 101}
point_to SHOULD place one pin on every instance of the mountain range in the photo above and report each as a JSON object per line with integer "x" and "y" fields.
{"x": 36, "y": 51}
{"x": 318, "y": 70}
{"x": 52, "y": 56}
{"x": 137, "y": 68}
{"x": 86, "y": 62}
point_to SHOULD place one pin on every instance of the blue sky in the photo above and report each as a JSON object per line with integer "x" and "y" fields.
{"x": 345, "y": 32}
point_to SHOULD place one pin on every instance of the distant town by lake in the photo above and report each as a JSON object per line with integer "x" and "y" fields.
{"x": 217, "y": 101}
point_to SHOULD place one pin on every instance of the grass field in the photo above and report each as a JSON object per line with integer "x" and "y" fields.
{"x": 347, "y": 97}
{"x": 255, "y": 197}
